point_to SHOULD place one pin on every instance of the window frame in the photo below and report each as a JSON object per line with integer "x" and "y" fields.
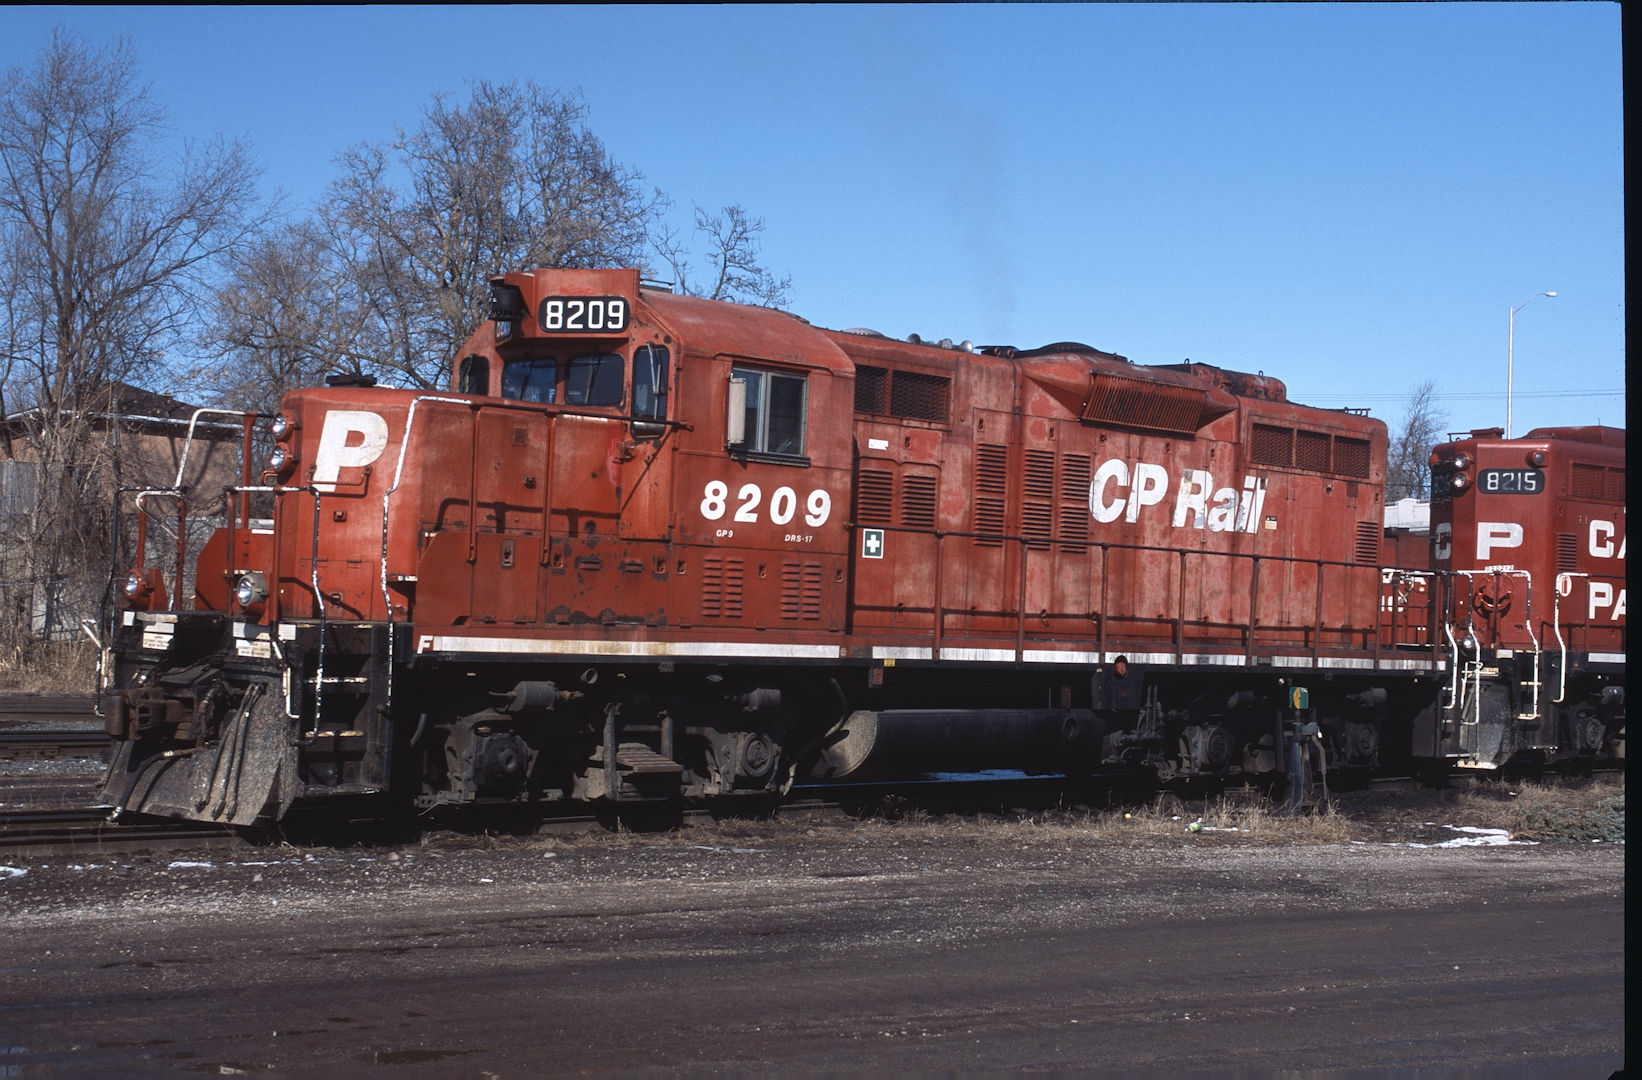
{"x": 755, "y": 444}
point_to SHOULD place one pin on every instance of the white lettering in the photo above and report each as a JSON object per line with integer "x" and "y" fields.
{"x": 338, "y": 449}
{"x": 1223, "y": 518}
{"x": 1120, "y": 490}
{"x": 1601, "y": 545}
{"x": 1099, "y": 508}
{"x": 1150, "y": 483}
{"x": 1497, "y": 534}
{"x": 1442, "y": 542}
{"x": 1194, "y": 495}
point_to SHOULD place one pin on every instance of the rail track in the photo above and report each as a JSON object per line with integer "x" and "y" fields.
{"x": 18, "y": 745}
{"x": 87, "y": 829}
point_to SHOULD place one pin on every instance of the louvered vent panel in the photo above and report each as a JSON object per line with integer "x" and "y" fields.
{"x": 1616, "y": 485}
{"x": 722, "y": 580}
{"x": 916, "y": 396}
{"x": 1366, "y": 552}
{"x": 1040, "y": 474}
{"x": 1586, "y": 481}
{"x": 1129, "y": 402}
{"x": 1038, "y": 499}
{"x": 800, "y": 590}
{"x": 1351, "y": 457}
{"x": 1311, "y": 451}
{"x": 874, "y": 497}
{"x": 1567, "y": 553}
{"x": 1037, "y": 525}
{"x": 1270, "y": 445}
{"x": 1074, "y": 497}
{"x": 918, "y": 502}
{"x": 991, "y": 490}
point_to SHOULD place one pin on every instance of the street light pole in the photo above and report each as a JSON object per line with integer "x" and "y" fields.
{"x": 1510, "y": 353}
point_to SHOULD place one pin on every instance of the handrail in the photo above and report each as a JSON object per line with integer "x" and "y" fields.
{"x": 188, "y": 443}
{"x": 182, "y": 535}
{"x": 1556, "y": 627}
{"x": 1313, "y": 633}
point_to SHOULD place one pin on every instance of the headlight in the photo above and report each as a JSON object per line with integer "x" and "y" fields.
{"x": 1462, "y": 461}
{"x": 282, "y": 426}
{"x": 1537, "y": 459}
{"x": 251, "y": 590}
{"x": 277, "y": 459}
{"x": 134, "y": 584}
{"x": 1460, "y": 481}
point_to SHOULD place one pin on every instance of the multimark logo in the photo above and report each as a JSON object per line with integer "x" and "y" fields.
{"x": 872, "y": 543}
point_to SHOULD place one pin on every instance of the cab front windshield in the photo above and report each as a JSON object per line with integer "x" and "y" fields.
{"x": 591, "y": 380}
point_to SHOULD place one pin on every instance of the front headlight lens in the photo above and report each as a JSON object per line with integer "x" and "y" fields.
{"x": 250, "y": 590}
{"x": 133, "y": 584}
{"x": 281, "y": 426}
{"x": 277, "y": 459}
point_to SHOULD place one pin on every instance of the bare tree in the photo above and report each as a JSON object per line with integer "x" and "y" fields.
{"x": 1407, "y": 471}
{"x": 105, "y": 256}
{"x": 510, "y": 179}
{"x": 734, "y": 271}
{"x": 288, "y": 312}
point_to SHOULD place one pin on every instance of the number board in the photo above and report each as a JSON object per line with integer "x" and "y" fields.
{"x": 583, "y": 314}
{"x": 1510, "y": 481}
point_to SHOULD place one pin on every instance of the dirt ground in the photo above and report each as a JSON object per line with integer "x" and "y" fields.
{"x": 1440, "y": 945}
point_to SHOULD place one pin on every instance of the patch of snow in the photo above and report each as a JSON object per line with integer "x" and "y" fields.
{"x": 1475, "y": 837}
{"x": 8, "y": 872}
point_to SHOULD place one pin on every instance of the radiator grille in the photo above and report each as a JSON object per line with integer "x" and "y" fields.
{"x": 907, "y": 395}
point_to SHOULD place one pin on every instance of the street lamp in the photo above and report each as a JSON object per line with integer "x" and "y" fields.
{"x": 1510, "y": 351}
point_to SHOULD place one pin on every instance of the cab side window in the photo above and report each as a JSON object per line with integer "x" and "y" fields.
{"x": 474, "y": 376}
{"x": 776, "y": 408}
{"x": 649, "y": 383}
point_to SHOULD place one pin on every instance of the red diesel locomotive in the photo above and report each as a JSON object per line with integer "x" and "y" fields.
{"x": 652, "y": 546}
{"x": 1532, "y": 531}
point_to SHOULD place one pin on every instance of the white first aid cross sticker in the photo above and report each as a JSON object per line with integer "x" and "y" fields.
{"x": 872, "y": 543}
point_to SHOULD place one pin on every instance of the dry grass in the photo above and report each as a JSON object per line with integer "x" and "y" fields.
{"x": 1560, "y": 811}
{"x": 1568, "y": 810}
{"x": 49, "y": 667}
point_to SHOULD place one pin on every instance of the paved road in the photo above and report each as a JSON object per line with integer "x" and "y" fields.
{"x": 817, "y": 954}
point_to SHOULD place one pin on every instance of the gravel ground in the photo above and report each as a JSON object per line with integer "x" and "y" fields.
{"x": 1045, "y": 944}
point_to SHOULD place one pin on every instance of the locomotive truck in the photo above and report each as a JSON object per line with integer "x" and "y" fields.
{"x": 650, "y": 547}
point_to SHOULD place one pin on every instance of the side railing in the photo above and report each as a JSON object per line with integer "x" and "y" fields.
{"x": 1344, "y": 610}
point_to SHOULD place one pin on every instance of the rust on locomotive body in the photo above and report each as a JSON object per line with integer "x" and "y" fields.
{"x": 650, "y": 546}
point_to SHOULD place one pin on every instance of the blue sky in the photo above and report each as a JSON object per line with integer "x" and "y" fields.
{"x": 1350, "y": 197}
